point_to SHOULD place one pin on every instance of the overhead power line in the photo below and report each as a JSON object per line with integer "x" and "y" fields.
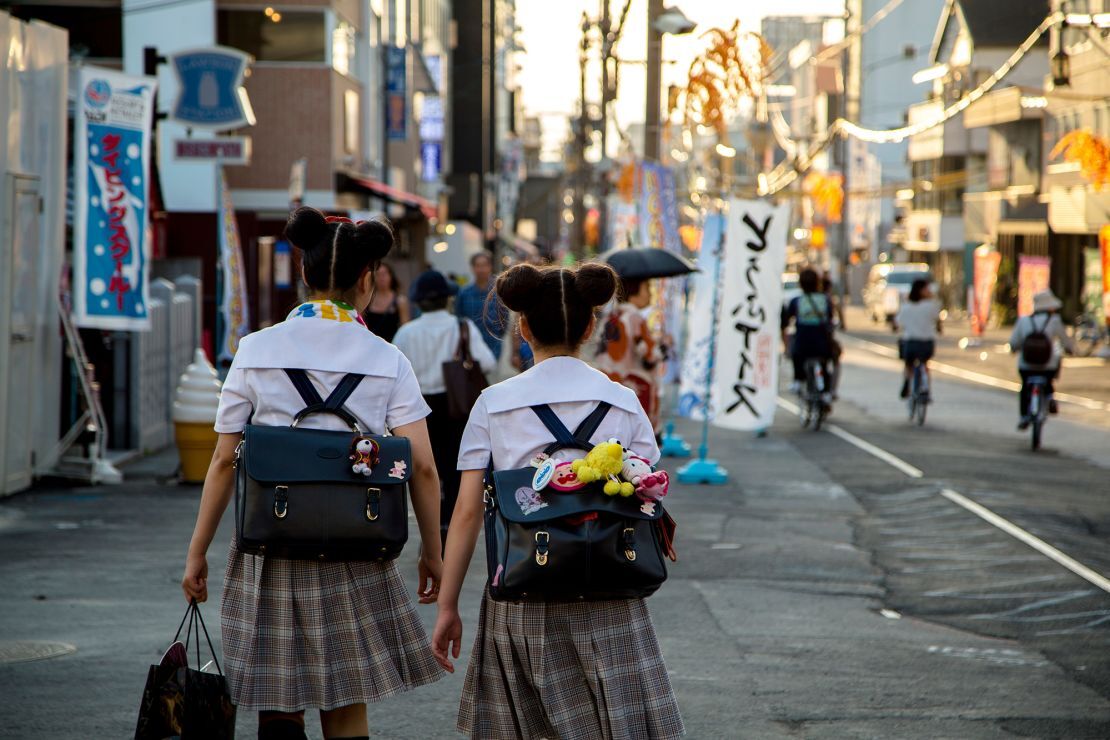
{"x": 787, "y": 172}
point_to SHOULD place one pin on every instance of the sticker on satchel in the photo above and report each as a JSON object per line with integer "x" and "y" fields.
{"x": 529, "y": 501}
{"x": 398, "y": 470}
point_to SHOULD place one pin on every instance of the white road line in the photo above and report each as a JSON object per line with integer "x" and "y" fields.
{"x": 976, "y": 377}
{"x": 870, "y": 449}
{"x": 979, "y": 510}
{"x": 1035, "y": 542}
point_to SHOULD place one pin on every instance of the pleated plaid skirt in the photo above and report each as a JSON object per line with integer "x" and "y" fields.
{"x": 301, "y": 634}
{"x": 567, "y": 670}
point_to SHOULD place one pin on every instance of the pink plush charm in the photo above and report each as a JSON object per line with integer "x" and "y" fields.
{"x": 653, "y": 486}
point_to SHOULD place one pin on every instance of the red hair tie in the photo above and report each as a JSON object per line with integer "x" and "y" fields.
{"x": 342, "y": 220}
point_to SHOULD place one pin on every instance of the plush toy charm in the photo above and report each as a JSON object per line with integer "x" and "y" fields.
{"x": 364, "y": 454}
{"x": 650, "y": 486}
{"x": 604, "y": 462}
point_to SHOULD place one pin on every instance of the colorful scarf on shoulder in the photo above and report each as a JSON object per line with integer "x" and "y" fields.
{"x": 324, "y": 309}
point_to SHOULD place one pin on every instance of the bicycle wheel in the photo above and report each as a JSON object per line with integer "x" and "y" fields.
{"x": 921, "y": 408}
{"x": 1086, "y": 336}
{"x": 818, "y": 416}
{"x": 1037, "y": 424}
{"x": 803, "y": 415}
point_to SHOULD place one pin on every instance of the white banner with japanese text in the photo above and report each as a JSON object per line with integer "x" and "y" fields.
{"x": 111, "y": 173}
{"x": 746, "y": 373}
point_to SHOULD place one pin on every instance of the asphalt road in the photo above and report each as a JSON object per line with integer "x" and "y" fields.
{"x": 822, "y": 593}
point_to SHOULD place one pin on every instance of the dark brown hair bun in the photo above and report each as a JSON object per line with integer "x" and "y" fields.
{"x": 558, "y": 302}
{"x": 337, "y": 253}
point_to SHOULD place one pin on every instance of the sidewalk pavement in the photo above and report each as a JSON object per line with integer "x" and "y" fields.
{"x": 1086, "y": 377}
{"x": 771, "y": 622}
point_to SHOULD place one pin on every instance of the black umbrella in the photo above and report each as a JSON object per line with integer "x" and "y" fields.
{"x": 644, "y": 263}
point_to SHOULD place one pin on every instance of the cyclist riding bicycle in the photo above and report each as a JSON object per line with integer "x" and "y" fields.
{"x": 811, "y": 313}
{"x": 918, "y": 320}
{"x": 1039, "y": 341}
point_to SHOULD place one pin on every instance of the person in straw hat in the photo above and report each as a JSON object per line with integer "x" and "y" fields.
{"x": 1043, "y": 329}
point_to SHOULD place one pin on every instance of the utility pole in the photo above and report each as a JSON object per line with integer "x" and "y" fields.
{"x": 849, "y": 110}
{"x": 577, "y": 234}
{"x": 654, "y": 81}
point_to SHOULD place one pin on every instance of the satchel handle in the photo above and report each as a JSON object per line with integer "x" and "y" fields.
{"x": 462, "y": 350}
{"x": 322, "y": 409}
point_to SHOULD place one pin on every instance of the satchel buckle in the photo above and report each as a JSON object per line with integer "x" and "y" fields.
{"x": 281, "y": 501}
{"x": 238, "y": 453}
{"x": 488, "y": 498}
{"x": 542, "y": 541}
{"x": 629, "y": 537}
{"x": 373, "y": 503}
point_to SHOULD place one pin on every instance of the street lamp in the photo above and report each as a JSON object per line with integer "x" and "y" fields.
{"x": 1061, "y": 69}
{"x": 660, "y": 21}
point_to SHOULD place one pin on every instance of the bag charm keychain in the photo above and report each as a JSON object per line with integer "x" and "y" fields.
{"x": 364, "y": 454}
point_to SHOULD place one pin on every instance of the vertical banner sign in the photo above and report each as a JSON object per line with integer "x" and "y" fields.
{"x": 700, "y": 322}
{"x": 983, "y": 284}
{"x": 658, "y": 214}
{"x": 234, "y": 319}
{"x": 1104, "y": 252}
{"x": 746, "y": 383}
{"x": 396, "y": 80}
{"x": 111, "y": 248}
{"x": 1033, "y": 277}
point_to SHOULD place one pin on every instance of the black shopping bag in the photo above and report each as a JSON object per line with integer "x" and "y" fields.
{"x": 183, "y": 702}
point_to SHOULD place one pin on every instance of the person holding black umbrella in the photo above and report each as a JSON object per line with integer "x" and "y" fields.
{"x": 627, "y": 350}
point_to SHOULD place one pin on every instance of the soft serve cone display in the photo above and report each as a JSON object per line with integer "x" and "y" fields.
{"x": 194, "y": 414}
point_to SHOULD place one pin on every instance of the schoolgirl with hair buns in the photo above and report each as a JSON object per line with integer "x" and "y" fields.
{"x": 309, "y": 634}
{"x": 551, "y": 669}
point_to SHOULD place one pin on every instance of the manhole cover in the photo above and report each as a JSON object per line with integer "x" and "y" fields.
{"x": 22, "y": 652}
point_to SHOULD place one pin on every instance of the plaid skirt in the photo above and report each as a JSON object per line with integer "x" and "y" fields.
{"x": 567, "y": 670}
{"x": 301, "y": 634}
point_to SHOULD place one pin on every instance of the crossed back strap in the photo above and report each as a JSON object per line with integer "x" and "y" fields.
{"x": 334, "y": 402}
{"x": 580, "y": 438}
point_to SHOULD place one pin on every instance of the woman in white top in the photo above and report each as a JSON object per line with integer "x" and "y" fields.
{"x": 547, "y": 669}
{"x": 429, "y": 341}
{"x": 304, "y": 634}
{"x": 918, "y": 320}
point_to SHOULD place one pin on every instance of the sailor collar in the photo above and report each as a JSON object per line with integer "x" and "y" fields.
{"x": 557, "y": 380}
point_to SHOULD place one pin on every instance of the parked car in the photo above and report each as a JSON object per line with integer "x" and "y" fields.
{"x": 888, "y": 284}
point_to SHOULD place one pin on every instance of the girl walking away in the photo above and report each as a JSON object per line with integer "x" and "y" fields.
{"x": 545, "y": 669}
{"x": 309, "y": 634}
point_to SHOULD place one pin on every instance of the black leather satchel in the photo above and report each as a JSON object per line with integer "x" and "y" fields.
{"x": 552, "y": 545}
{"x": 463, "y": 379}
{"x": 297, "y": 496}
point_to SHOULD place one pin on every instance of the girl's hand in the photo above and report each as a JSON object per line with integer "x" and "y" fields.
{"x": 429, "y": 571}
{"x": 195, "y": 581}
{"x": 447, "y": 637}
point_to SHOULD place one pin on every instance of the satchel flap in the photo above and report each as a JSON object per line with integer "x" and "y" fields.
{"x": 298, "y": 455}
{"x": 522, "y": 504}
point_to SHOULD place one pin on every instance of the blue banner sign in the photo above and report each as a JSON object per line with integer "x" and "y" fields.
{"x": 396, "y": 83}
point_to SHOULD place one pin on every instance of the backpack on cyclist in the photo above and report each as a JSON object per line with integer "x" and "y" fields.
{"x": 1037, "y": 347}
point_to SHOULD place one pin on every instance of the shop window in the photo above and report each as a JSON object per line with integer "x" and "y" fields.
{"x": 343, "y": 48}
{"x": 279, "y": 36}
{"x": 351, "y": 120}
{"x": 94, "y": 33}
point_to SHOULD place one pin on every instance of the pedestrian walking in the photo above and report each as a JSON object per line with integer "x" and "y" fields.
{"x": 389, "y": 308}
{"x": 312, "y": 634}
{"x": 539, "y": 669}
{"x": 477, "y": 302}
{"x": 1039, "y": 340}
{"x": 429, "y": 341}
{"x": 627, "y": 350}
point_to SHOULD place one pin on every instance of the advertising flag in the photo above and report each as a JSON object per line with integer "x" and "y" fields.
{"x": 986, "y": 266}
{"x": 1033, "y": 277}
{"x": 111, "y": 243}
{"x": 746, "y": 374}
{"x": 700, "y": 322}
{"x": 234, "y": 319}
{"x": 658, "y": 211}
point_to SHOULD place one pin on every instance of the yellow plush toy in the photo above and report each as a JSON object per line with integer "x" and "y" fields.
{"x": 604, "y": 462}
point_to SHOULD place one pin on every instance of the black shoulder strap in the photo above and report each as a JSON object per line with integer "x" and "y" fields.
{"x": 305, "y": 387}
{"x": 580, "y": 438}
{"x": 554, "y": 425}
{"x": 343, "y": 391}
{"x": 590, "y": 424}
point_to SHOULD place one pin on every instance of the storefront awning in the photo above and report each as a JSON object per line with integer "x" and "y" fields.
{"x": 377, "y": 188}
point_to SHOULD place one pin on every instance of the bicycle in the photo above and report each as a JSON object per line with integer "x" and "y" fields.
{"x": 919, "y": 398}
{"x": 1089, "y": 332}
{"x": 1040, "y": 399}
{"x": 815, "y": 405}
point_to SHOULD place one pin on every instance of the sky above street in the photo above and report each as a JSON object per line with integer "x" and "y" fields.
{"x": 551, "y": 32}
